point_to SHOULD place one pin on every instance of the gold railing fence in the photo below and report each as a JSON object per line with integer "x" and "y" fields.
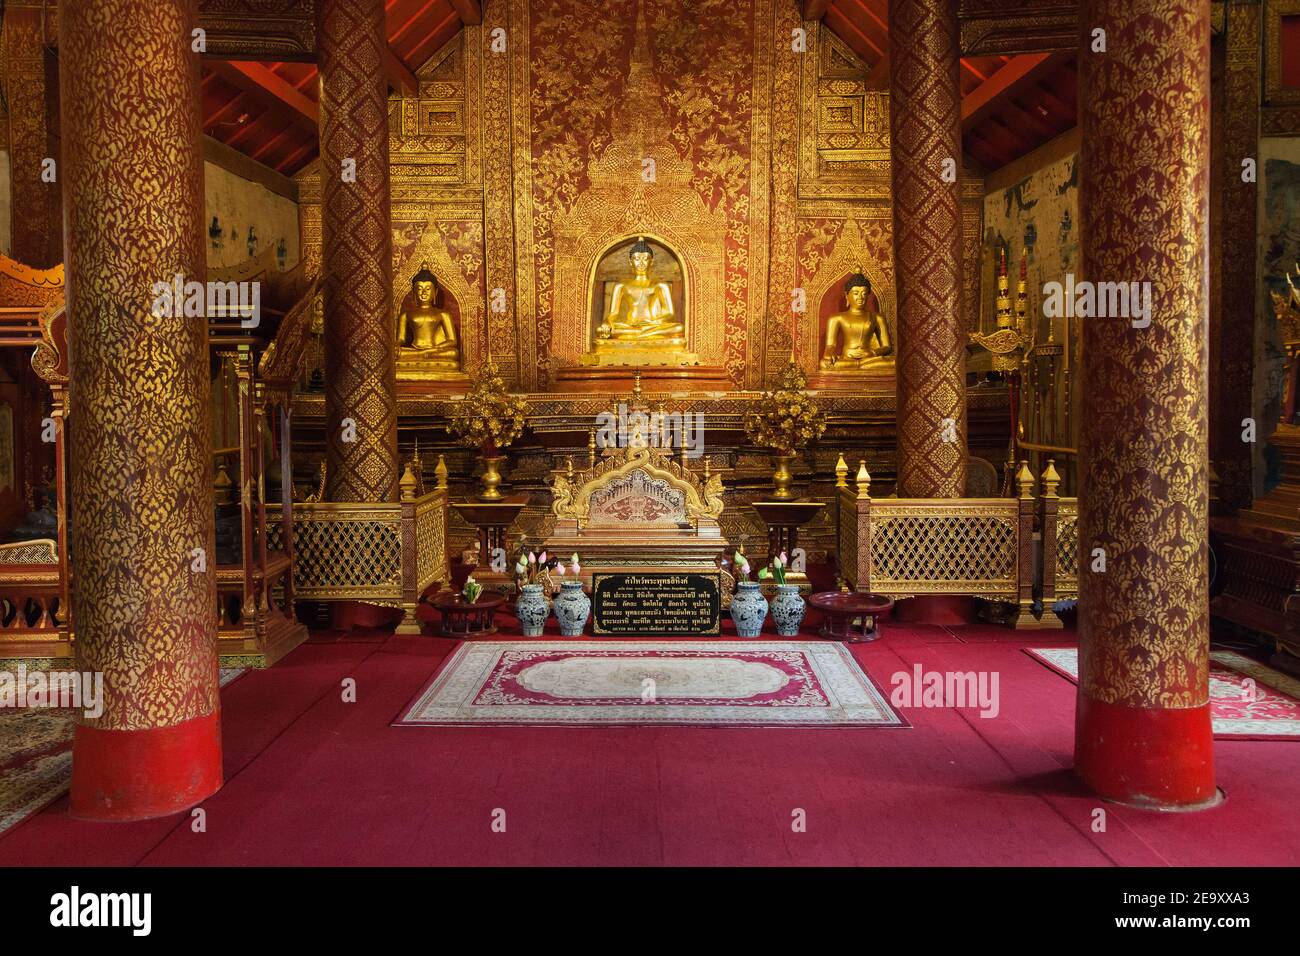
{"x": 1019, "y": 550}
{"x": 388, "y": 553}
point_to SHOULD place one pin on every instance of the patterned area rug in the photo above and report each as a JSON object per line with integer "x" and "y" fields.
{"x": 36, "y": 757}
{"x": 1248, "y": 700}
{"x": 713, "y": 683}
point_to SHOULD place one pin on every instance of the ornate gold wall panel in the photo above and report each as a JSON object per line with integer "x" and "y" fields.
{"x": 925, "y": 125}
{"x": 499, "y": 225}
{"x": 140, "y": 431}
{"x": 360, "y": 342}
{"x": 1143, "y": 203}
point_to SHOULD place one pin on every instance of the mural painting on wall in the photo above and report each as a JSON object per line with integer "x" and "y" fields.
{"x": 1036, "y": 216}
{"x": 1279, "y": 334}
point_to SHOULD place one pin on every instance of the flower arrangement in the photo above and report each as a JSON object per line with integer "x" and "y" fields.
{"x": 530, "y": 566}
{"x": 776, "y": 570}
{"x": 489, "y": 417}
{"x": 786, "y": 418}
{"x": 471, "y": 590}
{"x": 741, "y": 565}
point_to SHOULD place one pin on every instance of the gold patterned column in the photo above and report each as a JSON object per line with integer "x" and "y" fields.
{"x": 1143, "y": 722}
{"x": 140, "y": 439}
{"x": 925, "y": 146}
{"x": 357, "y": 253}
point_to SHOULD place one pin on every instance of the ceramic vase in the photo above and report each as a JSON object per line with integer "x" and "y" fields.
{"x": 531, "y": 610}
{"x": 788, "y": 609}
{"x": 748, "y": 609}
{"x": 572, "y": 607}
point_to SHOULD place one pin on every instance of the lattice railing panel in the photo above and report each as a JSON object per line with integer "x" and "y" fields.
{"x": 339, "y": 554}
{"x": 431, "y": 542}
{"x": 1067, "y": 549}
{"x": 949, "y": 548}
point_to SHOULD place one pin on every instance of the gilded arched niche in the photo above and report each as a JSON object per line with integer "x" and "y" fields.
{"x": 614, "y": 265}
{"x": 826, "y": 293}
{"x": 454, "y": 292}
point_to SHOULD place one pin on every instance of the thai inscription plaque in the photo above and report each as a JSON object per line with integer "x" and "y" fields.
{"x": 656, "y": 604}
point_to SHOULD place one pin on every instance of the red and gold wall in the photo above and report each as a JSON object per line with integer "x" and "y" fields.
{"x": 521, "y": 161}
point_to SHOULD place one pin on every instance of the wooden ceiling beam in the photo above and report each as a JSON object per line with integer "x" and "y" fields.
{"x": 1018, "y": 74}
{"x": 469, "y": 11}
{"x": 865, "y": 47}
{"x": 400, "y": 76}
{"x": 814, "y": 9}
{"x": 271, "y": 89}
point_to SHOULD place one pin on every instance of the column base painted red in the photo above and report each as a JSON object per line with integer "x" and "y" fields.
{"x": 123, "y": 775}
{"x": 1153, "y": 758}
{"x": 936, "y": 609}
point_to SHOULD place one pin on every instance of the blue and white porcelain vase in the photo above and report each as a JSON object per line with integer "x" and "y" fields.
{"x": 571, "y": 607}
{"x": 531, "y": 610}
{"x": 788, "y": 609}
{"x": 748, "y": 609}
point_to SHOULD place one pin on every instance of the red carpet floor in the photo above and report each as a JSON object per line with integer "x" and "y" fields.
{"x": 314, "y": 780}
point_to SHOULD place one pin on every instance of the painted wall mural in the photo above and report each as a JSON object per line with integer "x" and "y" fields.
{"x": 1278, "y": 253}
{"x": 243, "y": 218}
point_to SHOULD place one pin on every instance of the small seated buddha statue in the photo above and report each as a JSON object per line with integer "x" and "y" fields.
{"x": 642, "y": 327}
{"x": 426, "y": 336}
{"x": 858, "y": 338}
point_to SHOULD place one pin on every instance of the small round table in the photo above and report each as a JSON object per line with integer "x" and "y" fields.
{"x": 460, "y": 618}
{"x": 845, "y": 608}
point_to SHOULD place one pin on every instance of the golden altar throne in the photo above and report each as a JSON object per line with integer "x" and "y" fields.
{"x": 638, "y": 509}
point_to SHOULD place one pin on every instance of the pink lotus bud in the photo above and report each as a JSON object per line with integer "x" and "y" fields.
{"x": 559, "y": 569}
{"x": 577, "y": 569}
{"x": 542, "y": 559}
{"x": 532, "y": 558}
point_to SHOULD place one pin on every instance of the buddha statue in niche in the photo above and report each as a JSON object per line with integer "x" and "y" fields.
{"x": 857, "y": 339}
{"x": 640, "y": 325}
{"x": 426, "y": 335}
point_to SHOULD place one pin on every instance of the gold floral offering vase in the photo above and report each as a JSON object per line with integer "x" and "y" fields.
{"x": 785, "y": 419}
{"x": 489, "y": 418}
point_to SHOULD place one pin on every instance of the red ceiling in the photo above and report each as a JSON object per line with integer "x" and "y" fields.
{"x": 241, "y": 112}
{"x": 1010, "y": 104}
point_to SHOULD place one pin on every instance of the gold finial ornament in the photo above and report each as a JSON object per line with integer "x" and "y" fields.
{"x": 863, "y": 480}
{"x": 1050, "y": 479}
{"x": 408, "y": 483}
{"x": 1025, "y": 479}
{"x": 841, "y": 472}
{"x": 440, "y": 472}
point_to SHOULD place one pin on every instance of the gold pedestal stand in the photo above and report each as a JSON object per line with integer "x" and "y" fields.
{"x": 492, "y": 520}
{"x": 783, "y": 520}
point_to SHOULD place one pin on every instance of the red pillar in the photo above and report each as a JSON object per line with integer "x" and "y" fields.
{"x": 1142, "y": 732}
{"x": 140, "y": 431}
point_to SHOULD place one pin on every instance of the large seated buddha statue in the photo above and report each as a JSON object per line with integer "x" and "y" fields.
{"x": 641, "y": 326}
{"x": 426, "y": 335}
{"x": 857, "y": 339}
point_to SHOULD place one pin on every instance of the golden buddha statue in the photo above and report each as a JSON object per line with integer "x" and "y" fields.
{"x": 641, "y": 327}
{"x": 426, "y": 335}
{"x": 858, "y": 338}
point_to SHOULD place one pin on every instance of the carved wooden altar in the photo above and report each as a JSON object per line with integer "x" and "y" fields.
{"x": 638, "y": 509}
